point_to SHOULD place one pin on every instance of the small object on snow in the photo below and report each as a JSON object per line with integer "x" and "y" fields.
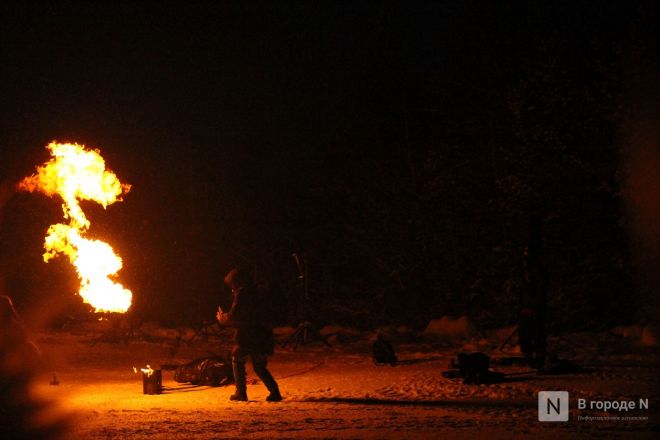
{"x": 54, "y": 381}
{"x": 474, "y": 369}
{"x": 383, "y": 352}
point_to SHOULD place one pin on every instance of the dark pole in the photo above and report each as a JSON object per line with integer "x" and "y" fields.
{"x": 300, "y": 264}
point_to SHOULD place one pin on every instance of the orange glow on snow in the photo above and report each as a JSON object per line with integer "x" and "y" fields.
{"x": 75, "y": 173}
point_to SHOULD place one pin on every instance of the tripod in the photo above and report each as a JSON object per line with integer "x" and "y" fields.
{"x": 305, "y": 332}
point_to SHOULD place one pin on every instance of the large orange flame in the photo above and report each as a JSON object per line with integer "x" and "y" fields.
{"x": 75, "y": 173}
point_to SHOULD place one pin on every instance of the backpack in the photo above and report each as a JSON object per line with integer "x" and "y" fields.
{"x": 213, "y": 371}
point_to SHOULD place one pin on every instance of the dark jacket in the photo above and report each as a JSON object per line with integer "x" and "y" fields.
{"x": 248, "y": 315}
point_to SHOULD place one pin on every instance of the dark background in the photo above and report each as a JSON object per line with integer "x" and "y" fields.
{"x": 399, "y": 147}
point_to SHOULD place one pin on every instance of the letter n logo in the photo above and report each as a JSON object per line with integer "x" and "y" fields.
{"x": 553, "y": 406}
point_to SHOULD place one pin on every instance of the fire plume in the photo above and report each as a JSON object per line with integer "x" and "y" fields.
{"x": 75, "y": 173}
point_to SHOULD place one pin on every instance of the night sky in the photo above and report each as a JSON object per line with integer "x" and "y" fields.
{"x": 252, "y": 130}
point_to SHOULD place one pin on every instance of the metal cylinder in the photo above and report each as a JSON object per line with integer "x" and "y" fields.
{"x": 152, "y": 383}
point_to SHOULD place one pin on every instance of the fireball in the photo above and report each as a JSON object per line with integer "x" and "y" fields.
{"x": 75, "y": 173}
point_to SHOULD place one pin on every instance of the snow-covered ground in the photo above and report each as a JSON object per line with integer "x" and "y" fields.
{"x": 338, "y": 392}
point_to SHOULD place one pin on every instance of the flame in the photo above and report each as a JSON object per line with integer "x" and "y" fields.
{"x": 148, "y": 371}
{"x": 75, "y": 173}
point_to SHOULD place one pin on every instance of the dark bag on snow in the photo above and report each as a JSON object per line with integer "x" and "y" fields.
{"x": 213, "y": 371}
{"x": 474, "y": 368}
{"x": 383, "y": 352}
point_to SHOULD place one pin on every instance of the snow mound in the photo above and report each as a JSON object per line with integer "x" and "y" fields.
{"x": 401, "y": 333}
{"x": 283, "y": 332}
{"x": 154, "y": 330}
{"x": 448, "y": 328}
{"x": 643, "y": 335}
{"x": 628, "y": 331}
{"x": 337, "y": 334}
{"x": 649, "y": 337}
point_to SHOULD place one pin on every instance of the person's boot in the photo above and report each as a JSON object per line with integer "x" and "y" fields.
{"x": 240, "y": 395}
{"x": 269, "y": 381}
{"x": 274, "y": 396}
